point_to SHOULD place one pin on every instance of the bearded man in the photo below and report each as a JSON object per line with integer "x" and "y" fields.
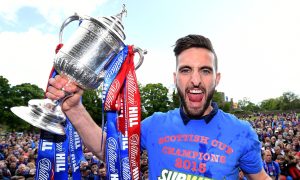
{"x": 196, "y": 140}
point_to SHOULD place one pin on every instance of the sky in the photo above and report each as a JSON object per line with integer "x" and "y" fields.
{"x": 256, "y": 41}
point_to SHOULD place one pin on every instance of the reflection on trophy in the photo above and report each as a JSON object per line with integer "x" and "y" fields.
{"x": 83, "y": 60}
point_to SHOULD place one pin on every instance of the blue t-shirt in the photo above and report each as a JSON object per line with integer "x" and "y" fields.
{"x": 214, "y": 150}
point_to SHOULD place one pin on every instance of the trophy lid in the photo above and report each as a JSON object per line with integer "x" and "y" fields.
{"x": 114, "y": 23}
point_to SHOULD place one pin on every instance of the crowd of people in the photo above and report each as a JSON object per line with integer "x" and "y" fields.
{"x": 18, "y": 155}
{"x": 278, "y": 133}
{"x": 280, "y": 138}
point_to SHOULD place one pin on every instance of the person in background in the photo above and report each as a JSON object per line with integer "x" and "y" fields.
{"x": 145, "y": 173}
{"x": 279, "y": 140}
{"x": 32, "y": 169}
{"x": 94, "y": 171}
{"x": 22, "y": 170}
{"x": 283, "y": 165}
{"x": 271, "y": 167}
{"x": 144, "y": 161}
{"x": 294, "y": 170}
{"x": 85, "y": 170}
{"x": 277, "y": 152}
{"x": 102, "y": 171}
{"x": 12, "y": 168}
{"x": 4, "y": 171}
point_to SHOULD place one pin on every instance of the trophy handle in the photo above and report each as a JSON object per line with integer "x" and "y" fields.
{"x": 141, "y": 53}
{"x": 65, "y": 23}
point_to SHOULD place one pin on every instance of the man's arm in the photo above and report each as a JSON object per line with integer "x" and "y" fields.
{"x": 88, "y": 130}
{"x": 262, "y": 175}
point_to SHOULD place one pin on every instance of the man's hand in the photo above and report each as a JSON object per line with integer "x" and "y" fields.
{"x": 59, "y": 87}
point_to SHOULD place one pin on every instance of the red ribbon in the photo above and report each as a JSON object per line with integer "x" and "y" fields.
{"x": 124, "y": 92}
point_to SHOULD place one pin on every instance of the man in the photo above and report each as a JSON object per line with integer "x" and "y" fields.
{"x": 94, "y": 174}
{"x": 4, "y": 171}
{"x": 196, "y": 140}
{"x": 283, "y": 166}
{"x": 277, "y": 152}
{"x": 273, "y": 141}
{"x": 102, "y": 171}
{"x": 145, "y": 172}
{"x": 279, "y": 140}
{"x": 271, "y": 167}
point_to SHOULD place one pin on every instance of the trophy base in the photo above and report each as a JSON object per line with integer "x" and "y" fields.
{"x": 40, "y": 115}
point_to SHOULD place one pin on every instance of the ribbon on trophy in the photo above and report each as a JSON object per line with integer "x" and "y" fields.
{"x": 121, "y": 102}
{"x": 56, "y": 152}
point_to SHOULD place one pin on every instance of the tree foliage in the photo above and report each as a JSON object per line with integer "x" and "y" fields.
{"x": 154, "y": 98}
{"x": 5, "y": 102}
{"x": 248, "y": 106}
{"x": 92, "y": 102}
{"x": 175, "y": 101}
{"x": 220, "y": 100}
{"x": 288, "y": 101}
{"x": 270, "y": 104}
{"x": 18, "y": 95}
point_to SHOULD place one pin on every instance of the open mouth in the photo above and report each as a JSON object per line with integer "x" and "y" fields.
{"x": 195, "y": 95}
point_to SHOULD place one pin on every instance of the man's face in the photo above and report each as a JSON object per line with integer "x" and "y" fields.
{"x": 94, "y": 168}
{"x": 2, "y": 164}
{"x": 22, "y": 168}
{"x": 196, "y": 79}
{"x": 268, "y": 156}
{"x": 144, "y": 161}
{"x": 295, "y": 141}
{"x": 102, "y": 172}
{"x": 273, "y": 139}
{"x": 277, "y": 150}
{"x": 146, "y": 174}
{"x": 13, "y": 165}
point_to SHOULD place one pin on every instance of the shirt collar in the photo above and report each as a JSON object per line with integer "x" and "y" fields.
{"x": 207, "y": 118}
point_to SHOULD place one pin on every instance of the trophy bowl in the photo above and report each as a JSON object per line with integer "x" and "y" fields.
{"x": 82, "y": 60}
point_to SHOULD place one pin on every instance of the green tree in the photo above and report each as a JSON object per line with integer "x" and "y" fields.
{"x": 19, "y": 96}
{"x": 175, "y": 101}
{"x": 154, "y": 98}
{"x": 288, "y": 101}
{"x": 226, "y": 107}
{"x": 220, "y": 100}
{"x": 248, "y": 106}
{"x": 270, "y": 104}
{"x": 93, "y": 104}
{"x": 4, "y": 100}
{"x": 24, "y": 92}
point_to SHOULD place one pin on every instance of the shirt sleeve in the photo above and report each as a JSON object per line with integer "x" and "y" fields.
{"x": 251, "y": 160}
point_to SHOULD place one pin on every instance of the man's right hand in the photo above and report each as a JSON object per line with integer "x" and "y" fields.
{"x": 58, "y": 86}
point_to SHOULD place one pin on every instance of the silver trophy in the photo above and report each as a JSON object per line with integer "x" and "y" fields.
{"x": 83, "y": 60}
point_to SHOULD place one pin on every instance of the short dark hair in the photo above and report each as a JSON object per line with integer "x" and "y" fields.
{"x": 194, "y": 40}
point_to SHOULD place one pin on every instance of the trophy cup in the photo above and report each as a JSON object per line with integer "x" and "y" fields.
{"x": 82, "y": 60}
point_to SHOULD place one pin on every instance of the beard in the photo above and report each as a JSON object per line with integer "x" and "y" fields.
{"x": 200, "y": 111}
